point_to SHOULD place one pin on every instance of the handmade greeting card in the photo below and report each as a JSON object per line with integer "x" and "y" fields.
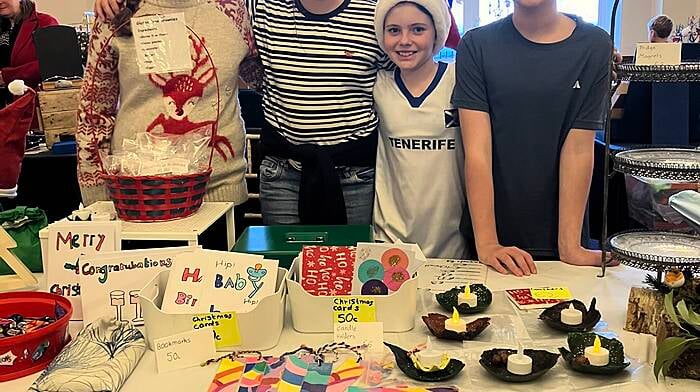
{"x": 111, "y": 281}
{"x": 66, "y": 243}
{"x": 327, "y": 270}
{"x": 205, "y": 281}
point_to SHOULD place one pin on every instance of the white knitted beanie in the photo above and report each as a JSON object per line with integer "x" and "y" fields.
{"x": 438, "y": 9}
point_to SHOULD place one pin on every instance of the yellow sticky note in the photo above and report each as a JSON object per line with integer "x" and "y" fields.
{"x": 224, "y": 324}
{"x": 551, "y": 293}
{"x": 354, "y": 309}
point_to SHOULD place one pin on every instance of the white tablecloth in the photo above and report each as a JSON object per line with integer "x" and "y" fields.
{"x": 507, "y": 327}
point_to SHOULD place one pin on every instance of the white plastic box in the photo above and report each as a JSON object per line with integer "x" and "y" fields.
{"x": 314, "y": 314}
{"x": 259, "y": 329}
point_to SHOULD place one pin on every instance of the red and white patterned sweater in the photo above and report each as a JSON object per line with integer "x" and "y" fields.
{"x": 117, "y": 102}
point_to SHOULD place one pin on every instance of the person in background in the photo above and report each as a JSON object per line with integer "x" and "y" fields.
{"x": 18, "y": 21}
{"x": 419, "y": 188}
{"x": 531, "y": 90}
{"x": 115, "y": 92}
{"x": 660, "y": 28}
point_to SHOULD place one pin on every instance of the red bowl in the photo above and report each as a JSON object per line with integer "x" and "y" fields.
{"x": 26, "y": 354}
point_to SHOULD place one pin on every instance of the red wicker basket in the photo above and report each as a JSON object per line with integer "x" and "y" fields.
{"x": 159, "y": 198}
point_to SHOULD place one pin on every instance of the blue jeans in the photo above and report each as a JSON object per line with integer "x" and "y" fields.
{"x": 279, "y": 192}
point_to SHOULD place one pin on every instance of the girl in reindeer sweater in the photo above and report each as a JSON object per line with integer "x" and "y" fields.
{"x": 117, "y": 101}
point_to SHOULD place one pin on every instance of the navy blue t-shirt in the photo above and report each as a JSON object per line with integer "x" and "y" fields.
{"x": 535, "y": 94}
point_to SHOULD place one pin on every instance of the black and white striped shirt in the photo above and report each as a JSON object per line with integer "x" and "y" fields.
{"x": 319, "y": 69}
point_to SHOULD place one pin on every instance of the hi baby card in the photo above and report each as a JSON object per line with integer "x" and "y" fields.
{"x": 67, "y": 242}
{"x": 205, "y": 281}
{"x": 382, "y": 269}
{"x": 113, "y": 281}
{"x": 327, "y": 270}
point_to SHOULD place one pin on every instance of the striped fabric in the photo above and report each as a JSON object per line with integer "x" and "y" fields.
{"x": 319, "y": 69}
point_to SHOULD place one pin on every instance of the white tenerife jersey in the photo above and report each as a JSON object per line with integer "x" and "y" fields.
{"x": 420, "y": 194}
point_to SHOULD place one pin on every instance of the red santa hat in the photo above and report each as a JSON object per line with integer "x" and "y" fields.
{"x": 15, "y": 121}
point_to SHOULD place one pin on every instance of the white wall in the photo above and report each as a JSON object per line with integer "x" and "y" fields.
{"x": 635, "y": 15}
{"x": 66, "y": 11}
{"x": 680, "y": 10}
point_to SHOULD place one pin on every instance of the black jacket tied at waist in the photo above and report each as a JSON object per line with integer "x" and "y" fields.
{"x": 321, "y": 198}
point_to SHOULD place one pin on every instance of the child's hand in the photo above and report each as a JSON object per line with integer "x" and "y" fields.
{"x": 508, "y": 260}
{"x": 106, "y": 10}
{"x": 584, "y": 257}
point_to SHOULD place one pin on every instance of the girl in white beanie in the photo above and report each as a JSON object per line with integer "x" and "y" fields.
{"x": 419, "y": 175}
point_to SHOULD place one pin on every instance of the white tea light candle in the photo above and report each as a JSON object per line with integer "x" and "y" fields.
{"x": 519, "y": 363}
{"x": 571, "y": 315}
{"x": 596, "y": 354}
{"x": 431, "y": 360}
{"x": 467, "y": 297}
{"x": 455, "y": 323}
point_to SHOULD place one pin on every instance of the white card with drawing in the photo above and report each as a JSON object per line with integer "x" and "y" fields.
{"x": 67, "y": 242}
{"x": 207, "y": 281}
{"x": 112, "y": 288}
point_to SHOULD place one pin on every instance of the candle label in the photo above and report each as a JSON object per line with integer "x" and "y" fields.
{"x": 551, "y": 293}
{"x": 370, "y": 334}
{"x": 354, "y": 309}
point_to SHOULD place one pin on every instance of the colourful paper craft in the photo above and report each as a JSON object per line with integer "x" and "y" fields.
{"x": 227, "y": 376}
{"x": 270, "y": 380}
{"x": 327, "y": 270}
{"x": 293, "y": 375}
{"x": 317, "y": 377}
{"x": 344, "y": 375}
{"x": 253, "y": 375}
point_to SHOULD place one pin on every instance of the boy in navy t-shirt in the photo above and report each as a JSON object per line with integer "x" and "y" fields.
{"x": 531, "y": 91}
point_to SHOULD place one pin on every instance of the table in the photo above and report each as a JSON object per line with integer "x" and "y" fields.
{"x": 186, "y": 229}
{"x": 611, "y": 291}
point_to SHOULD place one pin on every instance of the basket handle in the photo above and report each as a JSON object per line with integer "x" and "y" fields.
{"x": 100, "y": 57}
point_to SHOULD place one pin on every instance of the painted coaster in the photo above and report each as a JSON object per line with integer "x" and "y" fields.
{"x": 395, "y": 277}
{"x": 374, "y": 287}
{"x": 370, "y": 269}
{"x": 395, "y": 258}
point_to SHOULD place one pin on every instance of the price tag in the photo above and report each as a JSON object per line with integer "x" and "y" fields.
{"x": 224, "y": 327}
{"x": 354, "y": 309}
{"x": 658, "y": 54}
{"x": 184, "y": 350}
{"x": 355, "y": 334}
{"x": 551, "y": 293}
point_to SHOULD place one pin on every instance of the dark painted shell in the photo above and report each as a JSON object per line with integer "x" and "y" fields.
{"x": 436, "y": 325}
{"x": 495, "y": 362}
{"x": 552, "y": 316}
{"x": 406, "y": 365}
{"x": 574, "y": 357}
{"x": 448, "y": 299}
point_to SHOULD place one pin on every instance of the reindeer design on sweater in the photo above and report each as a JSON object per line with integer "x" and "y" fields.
{"x": 181, "y": 93}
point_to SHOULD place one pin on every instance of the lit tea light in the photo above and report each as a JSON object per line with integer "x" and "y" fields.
{"x": 596, "y": 354}
{"x": 455, "y": 323}
{"x": 467, "y": 297}
{"x": 519, "y": 363}
{"x": 571, "y": 315}
{"x": 430, "y": 360}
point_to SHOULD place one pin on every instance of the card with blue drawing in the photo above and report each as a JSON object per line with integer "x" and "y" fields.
{"x": 206, "y": 281}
